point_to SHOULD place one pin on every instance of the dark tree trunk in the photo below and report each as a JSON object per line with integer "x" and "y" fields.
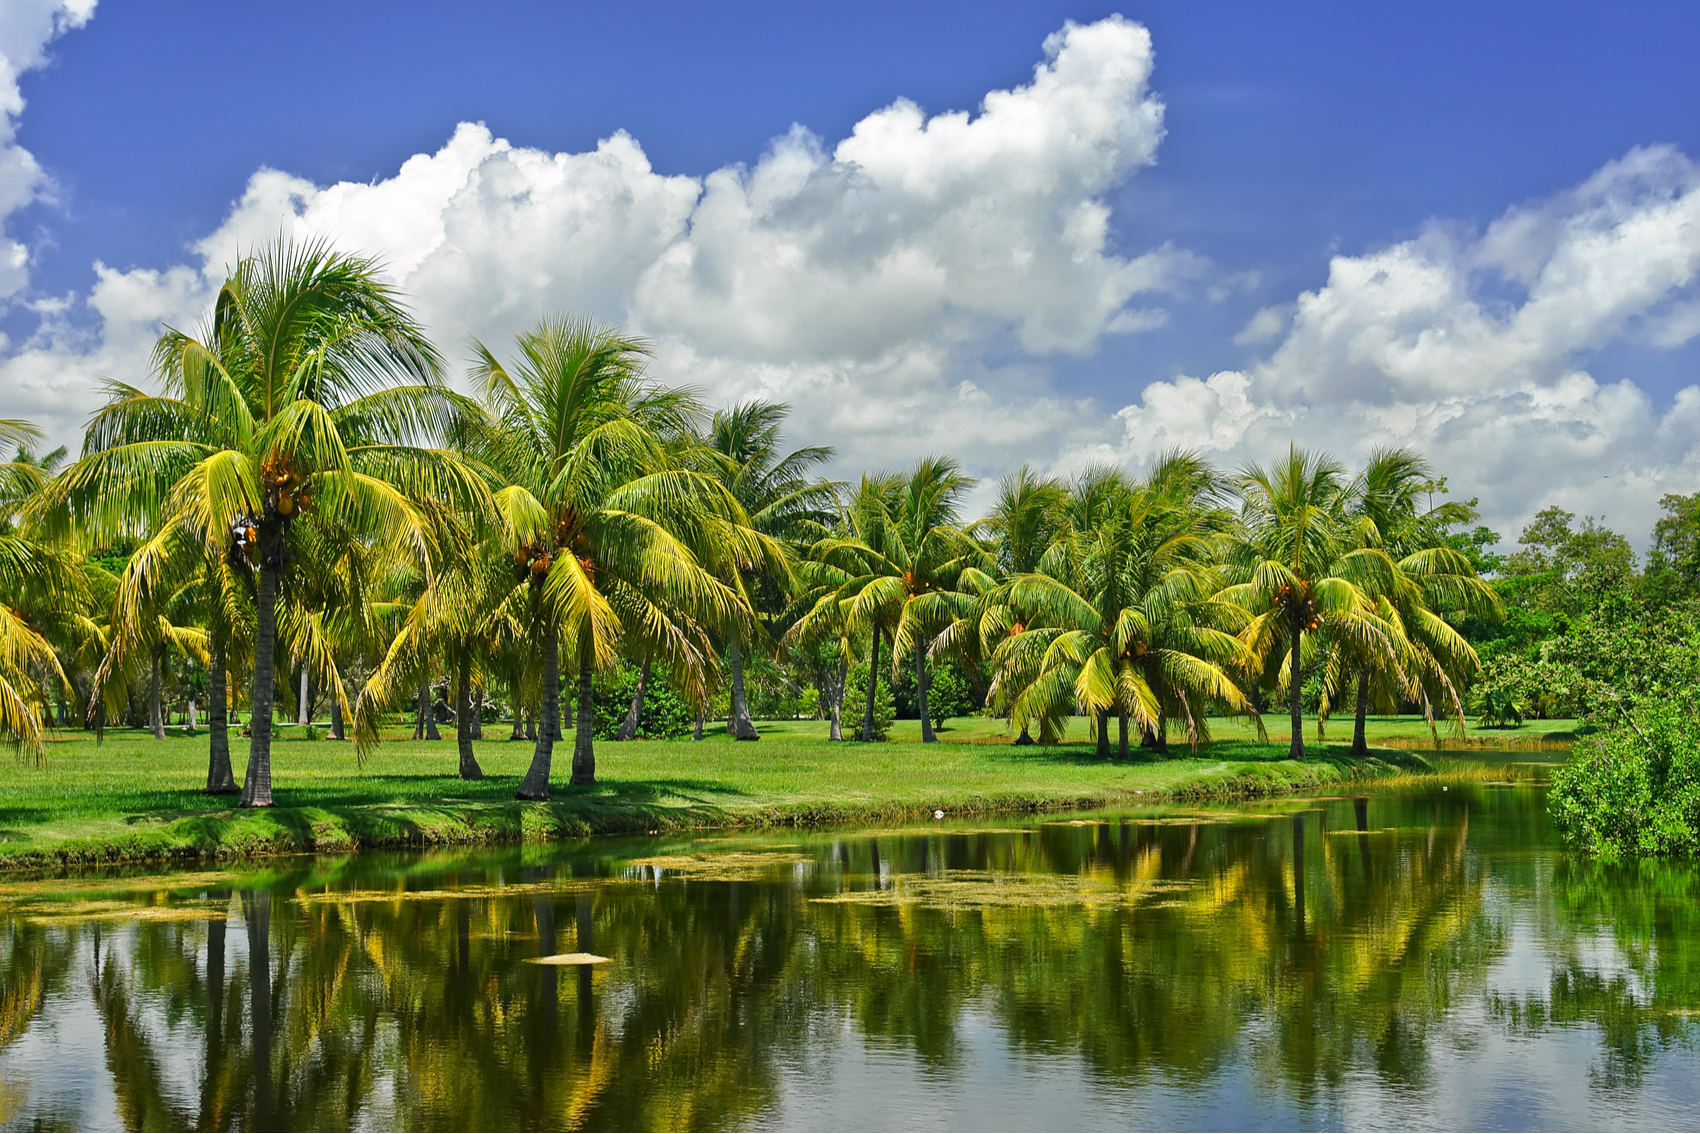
{"x": 1121, "y": 746}
{"x": 837, "y": 729}
{"x": 475, "y": 727}
{"x": 1025, "y": 738}
{"x": 741, "y": 727}
{"x": 696, "y": 733}
{"x": 1160, "y": 736}
{"x": 430, "y": 706}
{"x": 421, "y": 710}
{"x": 536, "y": 782}
{"x": 634, "y": 712}
{"x": 156, "y": 702}
{"x": 519, "y": 722}
{"x": 220, "y": 781}
{"x": 1104, "y": 734}
{"x": 531, "y": 725}
{"x": 923, "y": 679}
{"x": 257, "y": 783}
{"x": 257, "y": 913}
{"x": 584, "y": 727}
{"x": 873, "y": 686}
{"x": 339, "y": 729}
{"x": 1360, "y": 740}
{"x": 1296, "y": 750}
{"x": 469, "y": 769}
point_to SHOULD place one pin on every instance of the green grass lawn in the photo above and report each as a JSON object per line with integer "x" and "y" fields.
{"x": 136, "y": 798}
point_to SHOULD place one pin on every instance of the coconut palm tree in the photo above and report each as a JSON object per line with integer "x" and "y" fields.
{"x": 306, "y": 401}
{"x": 42, "y": 587}
{"x": 603, "y": 520}
{"x": 1124, "y": 618}
{"x": 1430, "y": 580}
{"x": 902, "y": 558}
{"x": 1294, "y": 567}
{"x": 783, "y": 500}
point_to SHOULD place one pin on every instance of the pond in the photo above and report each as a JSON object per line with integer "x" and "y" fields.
{"x": 1409, "y": 958}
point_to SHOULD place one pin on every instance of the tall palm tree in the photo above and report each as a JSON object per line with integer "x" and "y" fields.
{"x": 902, "y": 558}
{"x": 1295, "y": 569}
{"x": 1123, "y": 618}
{"x": 602, "y": 518}
{"x": 783, "y": 499}
{"x": 309, "y": 395}
{"x": 1430, "y": 580}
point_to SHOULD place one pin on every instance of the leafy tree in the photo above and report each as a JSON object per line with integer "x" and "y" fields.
{"x": 1125, "y": 620}
{"x": 1298, "y": 573}
{"x": 606, "y": 526}
{"x": 305, "y": 396}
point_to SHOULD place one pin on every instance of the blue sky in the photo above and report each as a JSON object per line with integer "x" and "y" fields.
{"x": 1289, "y": 135}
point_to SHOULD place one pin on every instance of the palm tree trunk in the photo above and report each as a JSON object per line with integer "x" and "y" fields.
{"x": 1024, "y": 739}
{"x": 923, "y": 678}
{"x": 584, "y": 728}
{"x": 219, "y": 779}
{"x": 421, "y": 704}
{"x": 1295, "y": 751}
{"x": 156, "y": 704}
{"x": 257, "y": 783}
{"x": 531, "y": 725}
{"x": 306, "y": 715}
{"x": 742, "y": 727}
{"x": 873, "y": 685}
{"x": 475, "y": 727}
{"x": 837, "y": 729}
{"x": 469, "y": 769}
{"x": 518, "y": 732}
{"x": 430, "y": 707}
{"x": 1103, "y": 734}
{"x": 1360, "y": 741}
{"x": 634, "y": 712}
{"x": 339, "y": 730}
{"x": 536, "y": 782}
{"x": 696, "y": 733}
{"x": 1160, "y": 736}
{"x": 1122, "y": 745}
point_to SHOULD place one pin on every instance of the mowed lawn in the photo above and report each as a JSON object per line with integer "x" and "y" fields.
{"x": 133, "y": 797}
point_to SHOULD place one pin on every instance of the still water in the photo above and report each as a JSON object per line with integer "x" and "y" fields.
{"x": 1412, "y": 958}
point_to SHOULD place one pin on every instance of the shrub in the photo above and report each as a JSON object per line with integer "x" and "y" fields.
{"x": 665, "y": 714}
{"x": 856, "y": 702}
{"x": 1634, "y": 788}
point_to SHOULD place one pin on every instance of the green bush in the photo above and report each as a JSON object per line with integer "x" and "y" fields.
{"x": 856, "y": 703}
{"x": 665, "y": 714}
{"x": 1632, "y": 791}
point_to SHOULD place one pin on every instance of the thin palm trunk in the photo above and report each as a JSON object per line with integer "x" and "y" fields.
{"x": 475, "y": 727}
{"x": 430, "y": 707}
{"x": 518, "y": 732}
{"x": 339, "y": 730}
{"x": 156, "y": 702}
{"x": 741, "y": 727}
{"x": 469, "y": 769}
{"x": 1121, "y": 747}
{"x": 306, "y": 714}
{"x": 421, "y": 707}
{"x": 634, "y": 711}
{"x": 584, "y": 727}
{"x": 873, "y": 685}
{"x": 1296, "y": 751}
{"x": 1360, "y": 741}
{"x": 837, "y": 730}
{"x": 1025, "y": 738}
{"x": 696, "y": 733}
{"x": 219, "y": 779}
{"x": 536, "y": 782}
{"x": 923, "y": 678}
{"x": 1103, "y": 734}
{"x": 257, "y": 783}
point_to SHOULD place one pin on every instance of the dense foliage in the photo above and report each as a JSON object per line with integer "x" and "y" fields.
{"x": 302, "y": 516}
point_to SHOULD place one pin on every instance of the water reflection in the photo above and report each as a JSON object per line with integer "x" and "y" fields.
{"x": 1411, "y": 958}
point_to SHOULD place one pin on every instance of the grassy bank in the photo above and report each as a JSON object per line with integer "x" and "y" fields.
{"x": 134, "y": 798}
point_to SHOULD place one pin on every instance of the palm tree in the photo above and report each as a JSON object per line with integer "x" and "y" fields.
{"x": 602, "y": 518}
{"x": 41, "y": 585}
{"x": 305, "y": 397}
{"x": 1297, "y": 573}
{"x": 1123, "y": 619}
{"x": 902, "y": 558}
{"x": 782, "y": 499}
{"x": 1430, "y": 580}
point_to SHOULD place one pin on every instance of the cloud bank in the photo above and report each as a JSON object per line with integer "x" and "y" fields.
{"x": 914, "y": 288}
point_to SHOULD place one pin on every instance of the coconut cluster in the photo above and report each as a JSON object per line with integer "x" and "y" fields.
{"x": 1309, "y": 616}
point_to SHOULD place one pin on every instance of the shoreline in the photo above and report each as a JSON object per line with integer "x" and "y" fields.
{"x": 609, "y": 809}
